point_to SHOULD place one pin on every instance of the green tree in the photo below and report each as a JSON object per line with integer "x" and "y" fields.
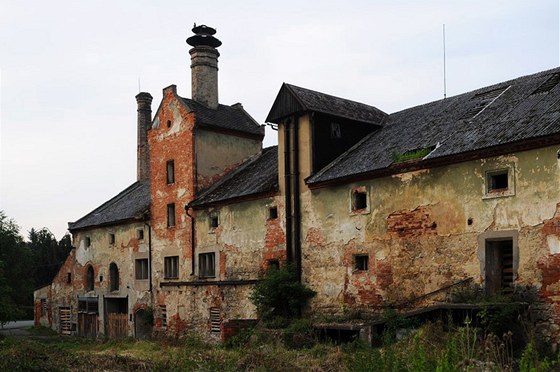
{"x": 16, "y": 287}
{"x": 48, "y": 254}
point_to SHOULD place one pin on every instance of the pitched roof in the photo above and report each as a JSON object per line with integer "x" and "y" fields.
{"x": 518, "y": 110}
{"x": 256, "y": 176}
{"x": 292, "y": 99}
{"x": 233, "y": 118}
{"x": 131, "y": 203}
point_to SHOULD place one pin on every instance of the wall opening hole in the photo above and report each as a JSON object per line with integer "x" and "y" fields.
{"x": 470, "y": 221}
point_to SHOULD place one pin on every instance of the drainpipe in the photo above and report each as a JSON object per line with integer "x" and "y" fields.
{"x": 296, "y": 212}
{"x": 288, "y": 190}
{"x": 187, "y": 207}
{"x": 149, "y": 254}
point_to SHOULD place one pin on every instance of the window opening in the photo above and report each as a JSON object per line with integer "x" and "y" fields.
{"x": 163, "y": 315}
{"x": 140, "y": 234}
{"x": 170, "y": 172}
{"x": 141, "y": 268}
{"x": 206, "y": 265}
{"x": 272, "y": 213}
{"x": 43, "y": 306}
{"x": 171, "y": 267}
{"x": 274, "y": 264}
{"x": 359, "y": 200}
{"x": 113, "y": 277}
{"x": 215, "y": 321}
{"x": 361, "y": 262}
{"x": 88, "y": 241}
{"x": 214, "y": 221}
{"x": 335, "y": 131}
{"x": 90, "y": 276}
{"x": 168, "y": 123}
{"x": 498, "y": 181}
{"x": 69, "y": 278}
{"x": 112, "y": 239}
{"x": 170, "y": 215}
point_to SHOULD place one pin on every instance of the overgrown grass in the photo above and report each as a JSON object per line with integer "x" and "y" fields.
{"x": 430, "y": 347}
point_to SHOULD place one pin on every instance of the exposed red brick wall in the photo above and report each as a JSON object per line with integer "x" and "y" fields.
{"x": 407, "y": 223}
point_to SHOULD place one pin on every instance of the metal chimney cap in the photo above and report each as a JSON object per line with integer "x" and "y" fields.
{"x": 203, "y": 36}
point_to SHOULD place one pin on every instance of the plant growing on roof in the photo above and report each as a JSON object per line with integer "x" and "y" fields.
{"x": 420, "y": 153}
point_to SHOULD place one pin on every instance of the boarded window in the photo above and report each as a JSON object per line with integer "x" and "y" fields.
{"x": 163, "y": 315}
{"x": 170, "y": 172}
{"x": 65, "y": 317}
{"x": 215, "y": 321}
{"x": 113, "y": 277}
{"x": 90, "y": 278}
{"x": 171, "y": 267}
{"x": 361, "y": 262}
{"x": 141, "y": 268}
{"x": 171, "y": 215}
{"x": 207, "y": 265}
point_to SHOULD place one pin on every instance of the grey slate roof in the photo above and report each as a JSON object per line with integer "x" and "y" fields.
{"x": 504, "y": 113}
{"x": 233, "y": 118}
{"x": 131, "y": 203}
{"x": 293, "y": 99}
{"x": 256, "y": 176}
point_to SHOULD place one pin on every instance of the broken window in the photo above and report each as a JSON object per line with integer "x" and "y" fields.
{"x": 359, "y": 200}
{"x": 214, "y": 221}
{"x": 112, "y": 239}
{"x": 140, "y": 234}
{"x": 497, "y": 181}
{"x": 207, "y": 265}
{"x": 171, "y": 267}
{"x": 215, "y": 321}
{"x": 113, "y": 277}
{"x": 499, "y": 274}
{"x": 171, "y": 215}
{"x": 170, "y": 172}
{"x": 88, "y": 305}
{"x": 361, "y": 262}
{"x": 90, "y": 277}
{"x": 272, "y": 213}
{"x": 141, "y": 268}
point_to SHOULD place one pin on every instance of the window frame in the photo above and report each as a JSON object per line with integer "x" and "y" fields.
{"x": 171, "y": 267}
{"x": 490, "y": 173}
{"x": 207, "y": 265}
{"x": 170, "y": 172}
{"x": 141, "y": 269}
{"x": 171, "y": 218}
{"x": 353, "y": 202}
{"x": 361, "y": 262}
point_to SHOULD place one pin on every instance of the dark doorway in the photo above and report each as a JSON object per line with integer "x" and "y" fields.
{"x": 498, "y": 273}
{"x": 116, "y": 317}
{"x": 143, "y": 322}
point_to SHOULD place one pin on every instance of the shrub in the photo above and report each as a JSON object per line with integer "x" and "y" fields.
{"x": 280, "y": 294}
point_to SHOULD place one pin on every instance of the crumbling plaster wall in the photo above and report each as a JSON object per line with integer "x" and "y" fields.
{"x": 243, "y": 243}
{"x": 417, "y": 234}
{"x": 217, "y": 154}
{"x": 100, "y": 254}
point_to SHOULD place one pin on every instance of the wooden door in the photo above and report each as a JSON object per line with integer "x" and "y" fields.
{"x": 117, "y": 325}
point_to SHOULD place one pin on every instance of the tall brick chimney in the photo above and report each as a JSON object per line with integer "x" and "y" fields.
{"x": 144, "y": 101}
{"x": 204, "y": 65}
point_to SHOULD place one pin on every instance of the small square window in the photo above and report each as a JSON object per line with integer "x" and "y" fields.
{"x": 112, "y": 239}
{"x": 170, "y": 172}
{"x": 88, "y": 241}
{"x": 171, "y": 267}
{"x": 141, "y": 268}
{"x": 498, "y": 182}
{"x": 207, "y": 265}
{"x": 140, "y": 234}
{"x": 361, "y": 262}
{"x": 359, "y": 200}
{"x": 272, "y": 213}
{"x": 170, "y": 215}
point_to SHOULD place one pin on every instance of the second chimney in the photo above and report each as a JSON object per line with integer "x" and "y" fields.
{"x": 144, "y": 120}
{"x": 204, "y": 65}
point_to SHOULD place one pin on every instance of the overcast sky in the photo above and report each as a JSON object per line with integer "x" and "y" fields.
{"x": 69, "y": 71}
